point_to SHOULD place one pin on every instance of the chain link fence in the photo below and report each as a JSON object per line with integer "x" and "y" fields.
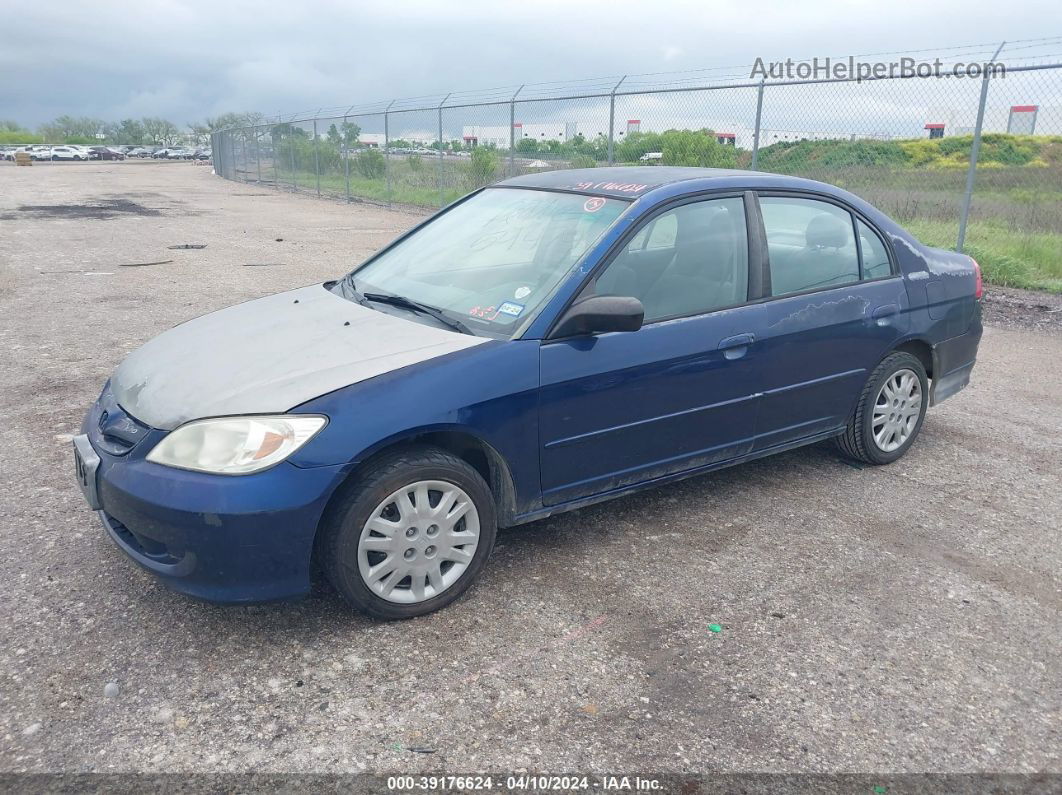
{"x": 973, "y": 163}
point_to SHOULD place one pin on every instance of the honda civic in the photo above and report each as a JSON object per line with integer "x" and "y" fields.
{"x": 548, "y": 342}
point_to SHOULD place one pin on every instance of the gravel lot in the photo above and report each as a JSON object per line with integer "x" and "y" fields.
{"x": 896, "y": 619}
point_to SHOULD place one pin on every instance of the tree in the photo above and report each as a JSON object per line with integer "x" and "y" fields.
{"x": 635, "y": 145}
{"x": 483, "y": 166}
{"x": 527, "y": 146}
{"x": 161, "y": 132}
{"x": 200, "y": 133}
{"x": 226, "y": 120}
{"x": 129, "y": 131}
{"x": 700, "y": 148}
{"x": 71, "y": 129}
{"x": 351, "y": 133}
{"x": 333, "y": 135}
{"x": 370, "y": 164}
{"x": 11, "y": 132}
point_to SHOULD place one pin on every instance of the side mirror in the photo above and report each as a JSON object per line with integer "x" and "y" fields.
{"x": 598, "y": 314}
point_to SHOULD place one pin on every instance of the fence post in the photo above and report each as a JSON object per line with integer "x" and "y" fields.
{"x": 439, "y": 166}
{"x": 975, "y": 150}
{"x": 756, "y": 133}
{"x": 346, "y": 156}
{"x": 387, "y": 150}
{"x": 512, "y": 133}
{"x": 316, "y": 156}
{"x": 275, "y": 136}
{"x": 612, "y": 121}
{"x": 291, "y": 152}
{"x": 257, "y": 155}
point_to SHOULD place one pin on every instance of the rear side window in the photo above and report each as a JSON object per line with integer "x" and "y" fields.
{"x": 875, "y": 256}
{"x": 696, "y": 260}
{"x": 810, "y": 244}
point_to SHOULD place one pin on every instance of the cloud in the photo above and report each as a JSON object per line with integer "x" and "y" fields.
{"x": 188, "y": 59}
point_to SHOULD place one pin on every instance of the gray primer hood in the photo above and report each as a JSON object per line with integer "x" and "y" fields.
{"x": 269, "y": 355}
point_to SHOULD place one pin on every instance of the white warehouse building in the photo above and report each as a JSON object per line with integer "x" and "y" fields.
{"x": 727, "y": 132}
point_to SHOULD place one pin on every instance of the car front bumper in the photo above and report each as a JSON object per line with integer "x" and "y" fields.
{"x": 218, "y": 538}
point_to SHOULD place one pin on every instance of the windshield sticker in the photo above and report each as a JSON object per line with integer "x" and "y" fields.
{"x": 485, "y": 312}
{"x": 592, "y": 206}
{"x": 522, "y": 292}
{"x": 511, "y": 309}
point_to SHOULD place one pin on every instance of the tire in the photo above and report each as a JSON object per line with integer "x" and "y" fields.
{"x": 859, "y": 440}
{"x": 373, "y": 497}
{"x": 55, "y": 157}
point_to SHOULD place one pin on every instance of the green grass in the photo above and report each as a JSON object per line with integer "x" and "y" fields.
{"x": 1015, "y": 231}
{"x": 420, "y": 188}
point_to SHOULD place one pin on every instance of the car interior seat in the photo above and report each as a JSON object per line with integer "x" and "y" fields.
{"x": 701, "y": 274}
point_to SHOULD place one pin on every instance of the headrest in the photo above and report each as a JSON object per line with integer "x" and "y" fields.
{"x": 827, "y": 231}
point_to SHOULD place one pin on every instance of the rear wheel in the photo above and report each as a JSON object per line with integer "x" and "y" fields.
{"x": 409, "y": 536}
{"x": 890, "y": 411}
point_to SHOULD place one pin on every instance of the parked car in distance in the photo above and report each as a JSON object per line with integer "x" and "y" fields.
{"x": 553, "y": 341}
{"x": 66, "y": 153}
{"x": 652, "y": 157}
{"x": 203, "y": 154}
{"x": 139, "y": 151}
{"x": 105, "y": 153}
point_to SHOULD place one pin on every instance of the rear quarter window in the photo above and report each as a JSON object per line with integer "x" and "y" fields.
{"x": 875, "y": 256}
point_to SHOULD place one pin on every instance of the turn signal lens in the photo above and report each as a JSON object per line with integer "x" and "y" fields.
{"x": 236, "y": 445}
{"x": 979, "y": 285}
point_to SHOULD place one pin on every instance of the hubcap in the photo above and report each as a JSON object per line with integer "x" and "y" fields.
{"x": 418, "y": 542}
{"x": 896, "y": 410}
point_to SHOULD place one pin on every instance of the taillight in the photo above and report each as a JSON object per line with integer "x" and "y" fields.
{"x": 979, "y": 285}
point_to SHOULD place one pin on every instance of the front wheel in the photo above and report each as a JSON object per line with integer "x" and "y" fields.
{"x": 890, "y": 411}
{"x": 409, "y": 536}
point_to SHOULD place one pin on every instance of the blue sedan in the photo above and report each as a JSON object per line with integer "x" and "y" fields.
{"x": 552, "y": 341}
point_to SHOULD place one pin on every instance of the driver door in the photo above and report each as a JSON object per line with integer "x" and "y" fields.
{"x": 680, "y": 393}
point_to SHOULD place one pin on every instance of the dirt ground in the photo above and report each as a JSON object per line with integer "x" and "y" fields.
{"x": 897, "y": 619}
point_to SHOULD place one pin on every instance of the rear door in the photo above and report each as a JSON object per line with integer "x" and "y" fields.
{"x": 626, "y": 407}
{"x": 837, "y": 305}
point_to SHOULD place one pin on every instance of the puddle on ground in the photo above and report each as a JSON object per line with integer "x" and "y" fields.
{"x": 101, "y": 210}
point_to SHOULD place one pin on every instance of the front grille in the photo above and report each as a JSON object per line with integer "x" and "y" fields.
{"x": 114, "y": 430}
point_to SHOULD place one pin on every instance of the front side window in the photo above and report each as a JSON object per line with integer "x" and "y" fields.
{"x": 687, "y": 261}
{"x": 491, "y": 261}
{"x": 810, "y": 244}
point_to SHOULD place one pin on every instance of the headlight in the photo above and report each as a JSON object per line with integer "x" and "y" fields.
{"x": 236, "y": 445}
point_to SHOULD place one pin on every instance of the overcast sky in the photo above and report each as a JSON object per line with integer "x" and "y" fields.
{"x": 192, "y": 59}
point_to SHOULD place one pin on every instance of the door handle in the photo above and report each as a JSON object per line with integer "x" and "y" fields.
{"x": 735, "y": 347}
{"x": 884, "y": 311}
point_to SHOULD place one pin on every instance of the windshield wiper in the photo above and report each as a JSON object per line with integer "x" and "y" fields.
{"x": 416, "y": 306}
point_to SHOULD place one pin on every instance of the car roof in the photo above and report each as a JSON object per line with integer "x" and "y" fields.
{"x": 633, "y": 182}
{"x": 620, "y": 181}
{"x": 668, "y": 182}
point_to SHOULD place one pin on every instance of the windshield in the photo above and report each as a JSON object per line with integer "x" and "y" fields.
{"x": 492, "y": 260}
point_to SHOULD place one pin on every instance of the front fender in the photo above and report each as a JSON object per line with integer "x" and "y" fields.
{"x": 488, "y": 393}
